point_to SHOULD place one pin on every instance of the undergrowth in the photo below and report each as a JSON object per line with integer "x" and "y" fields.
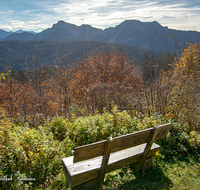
{"x": 30, "y": 157}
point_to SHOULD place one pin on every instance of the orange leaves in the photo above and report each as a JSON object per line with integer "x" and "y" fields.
{"x": 105, "y": 67}
{"x": 189, "y": 62}
{"x": 95, "y": 82}
{"x": 102, "y": 75}
{"x": 13, "y": 95}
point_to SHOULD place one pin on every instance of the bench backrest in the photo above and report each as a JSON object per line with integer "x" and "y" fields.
{"x": 119, "y": 143}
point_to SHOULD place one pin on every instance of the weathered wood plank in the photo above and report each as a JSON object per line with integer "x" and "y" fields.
{"x": 81, "y": 172}
{"x": 119, "y": 143}
{"x": 66, "y": 162}
{"x": 130, "y": 140}
{"x": 162, "y": 131}
{"x": 129, "y": 156}
{"x": 89, "y": 151}
{"x": 105, "y": 159}
{"x": 148, "y": 146}
{"x": 92, "y": 184}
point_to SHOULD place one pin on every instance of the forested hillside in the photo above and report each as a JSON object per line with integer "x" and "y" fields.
{"x": 23, "y": 55}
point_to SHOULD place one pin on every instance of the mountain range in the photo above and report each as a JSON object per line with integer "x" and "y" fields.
{"x": 149, "y": 35}
{"x": 66, "y": 43}
{"x": 4, "y": 34}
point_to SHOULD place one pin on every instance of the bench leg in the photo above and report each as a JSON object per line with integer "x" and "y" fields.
{"x": 147, "y": 164}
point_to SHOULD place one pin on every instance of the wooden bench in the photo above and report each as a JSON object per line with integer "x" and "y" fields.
{"x": 87, "y": 168}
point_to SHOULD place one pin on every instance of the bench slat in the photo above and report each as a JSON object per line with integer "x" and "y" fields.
{"x": 119, "y": 143}
{"x": 81, "y": 172}
{"x": 131, "y": 155}
{"x": 130, "y": 140}
{"x": 89, "y": 151}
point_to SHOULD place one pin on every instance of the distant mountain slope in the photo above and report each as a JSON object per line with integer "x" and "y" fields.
{"x": 20, "y": 36}
{"x": 63, "y": 31}
{"x": 149, "y": 35}
{"x": 60, "y": 31}
{"x": 19, "y": 54}
{"x": 21, "y": 31}
{"x": 4, "y": 34}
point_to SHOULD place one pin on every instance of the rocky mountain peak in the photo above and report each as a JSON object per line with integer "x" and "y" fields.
{"x": 63, "y": 25}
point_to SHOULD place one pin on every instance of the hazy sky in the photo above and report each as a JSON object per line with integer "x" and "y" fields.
{"x": 37, "y": 15}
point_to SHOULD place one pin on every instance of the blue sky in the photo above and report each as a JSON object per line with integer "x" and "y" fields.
{"x": 37, "y": 15}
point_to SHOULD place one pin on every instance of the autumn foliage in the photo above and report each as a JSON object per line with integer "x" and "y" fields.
{"x": 105, "y": 78}
{"x": 102, "y": 80}
{"x": 98, "y": 81}
{"x": 184, "y": 97}
{"x": 176, "y": 93}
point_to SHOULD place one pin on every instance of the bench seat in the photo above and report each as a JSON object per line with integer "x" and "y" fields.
{"x": 80, "y": 172}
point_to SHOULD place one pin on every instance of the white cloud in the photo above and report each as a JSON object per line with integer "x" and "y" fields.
{"x": 182, "y": 15}
{"x": 5, "y": 12}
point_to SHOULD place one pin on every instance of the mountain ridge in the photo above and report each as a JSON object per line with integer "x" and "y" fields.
{"x": 4, "y": 34}
{"x": 149, "y": 35}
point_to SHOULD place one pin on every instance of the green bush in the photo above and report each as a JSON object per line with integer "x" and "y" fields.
{"x": 178, "y": 144}
{"x": 30, "y": 154}
{"x": 59, "y": 128}
{"x": 36, "y": 153}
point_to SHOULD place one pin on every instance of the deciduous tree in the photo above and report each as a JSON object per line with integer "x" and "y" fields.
{"x": 103, "y": 78}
